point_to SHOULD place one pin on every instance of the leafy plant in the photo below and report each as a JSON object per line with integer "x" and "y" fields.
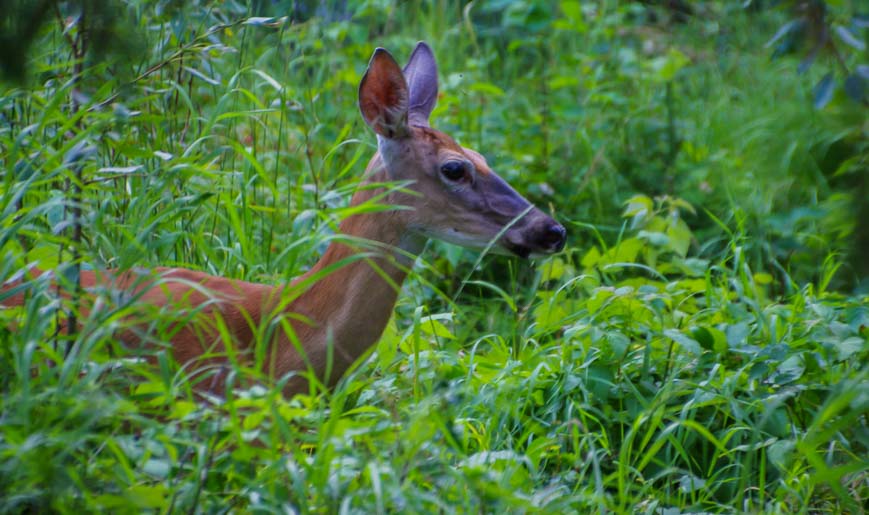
{"x": 701, "y": 345}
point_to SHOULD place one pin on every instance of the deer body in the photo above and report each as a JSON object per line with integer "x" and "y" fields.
{"x": 329, "y": 317}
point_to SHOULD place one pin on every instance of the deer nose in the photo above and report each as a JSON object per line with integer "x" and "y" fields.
{"x": 553, "y": 237}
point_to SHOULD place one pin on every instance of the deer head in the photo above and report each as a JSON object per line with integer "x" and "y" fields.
{"x": 458, "y": 198}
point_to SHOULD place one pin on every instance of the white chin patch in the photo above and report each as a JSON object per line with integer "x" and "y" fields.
{"x": 466, "y": 240}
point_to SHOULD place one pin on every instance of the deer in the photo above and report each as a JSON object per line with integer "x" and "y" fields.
{"x": 316, "y": 327}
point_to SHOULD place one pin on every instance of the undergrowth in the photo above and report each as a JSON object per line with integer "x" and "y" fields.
{"x": 701, "y": 345}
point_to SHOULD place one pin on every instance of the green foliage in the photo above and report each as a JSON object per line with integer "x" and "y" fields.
{"x": 822, "y": 29}
{"x": 700, "y": 346}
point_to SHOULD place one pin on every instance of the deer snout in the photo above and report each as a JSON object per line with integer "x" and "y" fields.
{"x": 552, "y": 237}
{"x": 539, "y": 236}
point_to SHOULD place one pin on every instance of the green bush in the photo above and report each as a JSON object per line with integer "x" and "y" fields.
{"x": 700, "y": 345}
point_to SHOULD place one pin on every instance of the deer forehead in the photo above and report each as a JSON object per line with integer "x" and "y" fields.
{"x": 446, "y": 148}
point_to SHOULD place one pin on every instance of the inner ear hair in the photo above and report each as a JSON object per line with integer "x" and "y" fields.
{"x": 383, "y": 96}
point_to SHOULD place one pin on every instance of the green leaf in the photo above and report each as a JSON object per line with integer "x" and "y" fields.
{"x": 704, "y": 337}
{"x": 657, "y": 239}
{"x": 823, "y": 91}
{"x": 599, "y": 381}
{"x": 551, "y": 315}
{"x": 689, "y": 483}
{"x": 680, "y": 237}
{"x": 624, "y": 252}
{"x": 182, "y": 408}
{"x": 45, "y": 255}
{"x": 158, "y": 468}
{"x": 261, "y": 20}
{"x": 573, "y": 18}
{"x": 590, "y": 258}
{"x": 684, "y": 341}
{"x": 552, "y": 270}
{"x": 789, "y": 370}
{"x": 683, "y": 204}
{"x": 253, "y": 421}
{"x": 737, "y": 335}
{"x": 486, "y": 88}
{"x": 665, "y": 68}
{"x": 695, "y": 267}
{"x": 763, "y": 278}
{"x": 618, "y": 342}
{"x": 147, "y": 497}
{"x": 638, "y": 205}
{"x": 434, "y": 327}
{"x": 782, "y": 31}
{"x": 850, "y": 346}
{"x": 572, "y": 9}
{"x": 849, "y": 39}
{"x": 538, "y": 397}
{"x": 781, "y": 453}
{"x": 719, "y": 340}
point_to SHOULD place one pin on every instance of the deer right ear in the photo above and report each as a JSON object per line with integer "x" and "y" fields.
{"x": 421, "y": 74}
{"x": 383, "y": 96}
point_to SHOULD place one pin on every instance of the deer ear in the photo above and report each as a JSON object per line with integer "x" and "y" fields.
{"x": 383, "y": 96}
{"x": 421, "y": 73}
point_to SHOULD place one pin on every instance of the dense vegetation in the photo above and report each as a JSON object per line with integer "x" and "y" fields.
{"x": 700, "y": 345}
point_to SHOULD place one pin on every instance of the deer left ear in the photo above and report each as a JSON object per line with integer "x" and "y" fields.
{"x": 383, "y": 96}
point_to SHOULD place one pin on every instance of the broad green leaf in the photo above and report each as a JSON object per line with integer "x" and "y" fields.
{"x": 433, "y": 326}
{"x": 550, "y": 316}
{"x": 598, "y": 298}
{"x": 182, "y": 408}
{"x": 590, "y": 258}
{"x": 694, "y": 267}
{"x": 737, "y": 334}
{"x": 704, "y": 337}
{"x": 684, "y": 341}
{"x": 789, "y": 370}
{"x": 680, "y": 237}
{"x": 657, "y": 239}
{"x": 45, "y": 255}
{"x": 552, "y": 270}
{"x": 850, "y": 346}
{"x": 624, "y": 252}
{"x": 638, "y": 204}
{"x": 683, "y": 205}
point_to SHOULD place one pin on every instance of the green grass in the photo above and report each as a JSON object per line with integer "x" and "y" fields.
{"x": 701, "y": 345}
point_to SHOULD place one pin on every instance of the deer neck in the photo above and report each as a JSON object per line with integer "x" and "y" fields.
{"x": 353, "y": 290}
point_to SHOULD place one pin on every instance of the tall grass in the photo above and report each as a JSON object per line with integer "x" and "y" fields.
{"x": 691, "y": 350}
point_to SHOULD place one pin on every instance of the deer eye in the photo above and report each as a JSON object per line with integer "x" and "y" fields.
{"x": 454, "y": 170}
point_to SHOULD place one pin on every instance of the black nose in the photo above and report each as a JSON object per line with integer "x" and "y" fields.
{"x": 553, "y": 237}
